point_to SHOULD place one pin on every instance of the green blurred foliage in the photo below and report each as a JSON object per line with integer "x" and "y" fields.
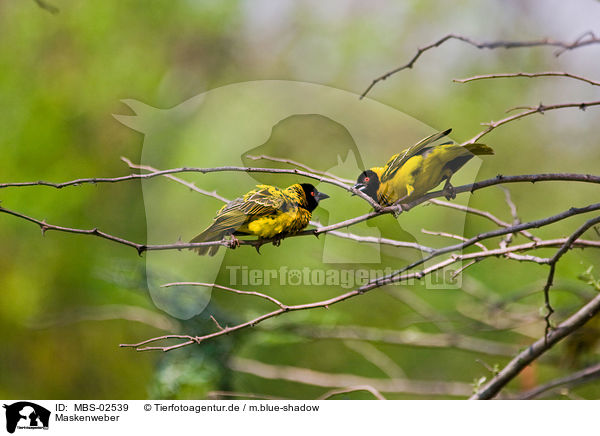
{"x": 67, "y": 301}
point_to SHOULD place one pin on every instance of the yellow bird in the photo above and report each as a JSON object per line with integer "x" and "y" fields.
{"x": 415, "y": 171}
{"x": 267, "y": 212}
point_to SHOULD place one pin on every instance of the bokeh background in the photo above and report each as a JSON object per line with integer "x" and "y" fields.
{"x": 67, "y": 301}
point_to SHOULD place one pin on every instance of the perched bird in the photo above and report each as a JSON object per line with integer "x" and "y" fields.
{"x": 418, "y": 169}
{"x": 267, "y": 212}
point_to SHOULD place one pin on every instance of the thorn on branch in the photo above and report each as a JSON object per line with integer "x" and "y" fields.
{"x": 217, "y": 323}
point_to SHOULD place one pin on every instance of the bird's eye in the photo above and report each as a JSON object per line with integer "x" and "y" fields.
{"x": 367, "y": 179}
{"x": 312, "y": 193}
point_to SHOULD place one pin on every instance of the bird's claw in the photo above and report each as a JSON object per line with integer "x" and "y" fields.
{"x": 449, "y": 192}
{"x": 398, "y": 210}
{"x": 277, "y": 239}
{"x": 233, "y": 242}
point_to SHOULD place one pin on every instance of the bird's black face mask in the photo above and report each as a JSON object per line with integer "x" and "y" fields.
{"x": 368, "y": 183}
{"x": 312, "y": 196}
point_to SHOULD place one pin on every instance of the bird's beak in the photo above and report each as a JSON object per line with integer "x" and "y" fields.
{"x": 360, "y": 186}
{"x": 321, "y": 196}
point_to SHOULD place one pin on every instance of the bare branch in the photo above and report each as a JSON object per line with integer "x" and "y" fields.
{"x": 190, "y": 185}
{"x": 586, "y": 39}
{"x": 376, "y": 240}
{"x": 530, "y": 110}
{"x": 586, "y": 375}
{"x": 452, "y": 236}
{"x": 554, "y": 260}
{"x": 347, "y": 235}
{"x": 301, "y": 165}
{"x": 532, "y": 224}
{"x": 225, "y": 288}
{"x": 95, "y": 180}
{"x": 531, "y": 75}
{"x": 395, "y": 209}
{"x": 216, "y": 322}
{"x": 373, "y": 284}
{"x": 524, "y": 358}
{"x": 482, "y": 213}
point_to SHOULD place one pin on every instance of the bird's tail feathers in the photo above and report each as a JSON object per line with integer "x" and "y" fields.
{"x": 210, "y": 234}
{"x": 479, "y": 149}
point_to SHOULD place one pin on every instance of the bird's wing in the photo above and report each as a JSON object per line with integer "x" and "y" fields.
{"x": 396, "y": 161}
{"x": 263, "y": 201}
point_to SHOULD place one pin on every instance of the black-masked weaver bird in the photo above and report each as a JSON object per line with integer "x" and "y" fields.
{"x": 413, "y": 172}
{"x": 266, "y": 212}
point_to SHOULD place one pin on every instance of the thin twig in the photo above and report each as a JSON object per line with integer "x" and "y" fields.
{"x": 190, "y": 185}
{"x": 554, "y": 260}
{"x": 499, "y": 232}
{"x": 301, "y": 165}
{"x": 228, "y": 289}
{"x": 482, "y": 213}
{"x": 216, "y": 322}
{"x": 347, "y": 235}
{"x": 452, "y": 236}
{"x": 530, "y": 75}
{"x": 513, "y": 211}
{"x": 586, "y": 39}
{"x": 141, "y": 248}
{"x": 95, "y": 180}
{"x": 530, "y": 110}
{"x": 377, "y": 240}
{"x": 586, "y": 375}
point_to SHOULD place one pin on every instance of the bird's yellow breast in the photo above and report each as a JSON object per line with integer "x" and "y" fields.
{"x": 286, "y": 222}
